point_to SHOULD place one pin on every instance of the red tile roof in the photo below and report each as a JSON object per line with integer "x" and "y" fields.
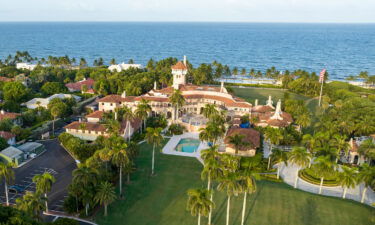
{"x": 250, "y": 136}
{"x": 262, "y": 108}
{"x": 78, "y": 85}
{"x": 179, "y": 66}
{"x": 6, "y": 135}
{"x": 6, "y": 79}
{"x": 96, "y": 114}
{"x": 113, "y": 98}
{"x": 89, "y": 126}
{"x": 8, "y": 115}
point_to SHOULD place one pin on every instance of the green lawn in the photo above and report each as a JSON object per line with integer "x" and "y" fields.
{"x": 161, "y": 200}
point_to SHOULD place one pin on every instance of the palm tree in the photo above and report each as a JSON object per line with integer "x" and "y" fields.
{"x": 231, "y": 185}
{"x": 43, "y": 184}
{"x": 210, "y": 110}
{"x": 86, "y": 177}
{"x": 142, "y": 111}
{"x": 324, "y": 167}
{"x": 367, "y": 149}
{"x": 104, "y": 155}
{"x": 31, "y": 203}
{"x": 248, "y": 173}
{"x": 120, "y": 159}
{"x": 303, "y": 120}
{"x": 274, "y": 136}
{"x": 237, "y": 141}
{"x": 199, "y": 203}
{"x": 154, "y": 138}
{"x": 7, "y": 173}
{"x": 347, "y": 178}
{"x": 212, "y": 170}
{"x": 300, "y": 157}
{"x": 129, "y": 116}
{"x": 56, "y": 111}
{"x": 105, "y": 194}
{"x": 278, "y": 156}
{"x": 310, "y": 142}
{"x": 113, "y": 126}
{"x": 367, "y": 176}
{"x": 177, "y": 101}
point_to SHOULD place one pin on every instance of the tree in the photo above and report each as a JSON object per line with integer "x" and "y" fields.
{"x": 237, "y": 141}
{"x": 113, "y": 61}
{"x": 31, "y": 203}
{"x": 43, "y": 184}
{"x": 301, "y": 158}
{"x": 105, "y": 194}
{"x": 367, "y": 149}
{"x": 154, "y": 138}
{"x": 50, "y": 88}
{"x": 303, "y": 120}
{"x": 87, "y": 178}
{"x": 367, "y": 176}
{"x": 142, "y": 111}
{"x": 347, "y": 179}
{"x": 56, "y": 111}
{"x": 177, "y": 101}
{"x": 120, "y": 159}
{"x": 212, "y": 170}
{"x": 3, "y": 143}
{"x": 279, "y": 156}
{"x": 113, "y": 126}
{"x": 274, "y": 136}
{"x": 231, "y": 185}
{"x": 7, "y": 173}
{"x": 210, "y": 110}
{"x": 310, "y": 142}
{"x": 14, "y": 91}
{"x": 199, "y": 203}
{"x": 324, "y": 167}
{"x": 129, "y": 116}
{"x": 249, "y": 172}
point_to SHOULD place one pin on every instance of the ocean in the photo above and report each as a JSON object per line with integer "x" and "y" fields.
{"x": 343, "y": 49}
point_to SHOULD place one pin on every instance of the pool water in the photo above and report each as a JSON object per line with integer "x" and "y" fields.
{"x": 187, "y": 145}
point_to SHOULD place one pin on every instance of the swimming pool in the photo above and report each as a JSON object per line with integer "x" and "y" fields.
{"x": 187, "y": 145}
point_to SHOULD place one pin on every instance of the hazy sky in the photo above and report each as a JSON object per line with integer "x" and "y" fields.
{"x": 189, "y": 10}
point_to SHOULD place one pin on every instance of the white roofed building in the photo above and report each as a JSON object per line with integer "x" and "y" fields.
{"x": 123, "y": 66}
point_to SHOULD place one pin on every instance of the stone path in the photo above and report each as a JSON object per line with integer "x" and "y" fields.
{"x": 288, "y": 173}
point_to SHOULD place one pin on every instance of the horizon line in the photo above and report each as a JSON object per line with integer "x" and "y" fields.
{"x": 145, "y": 21}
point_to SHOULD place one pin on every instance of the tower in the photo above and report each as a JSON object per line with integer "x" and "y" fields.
{"x": 278, "y": 112}
{"x": 179, "y": 72}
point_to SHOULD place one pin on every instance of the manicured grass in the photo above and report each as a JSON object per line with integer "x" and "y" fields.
{"x": 161, "y": 200}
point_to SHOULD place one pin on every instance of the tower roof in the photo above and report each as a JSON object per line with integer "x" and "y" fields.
{"x": 179, "y": 66}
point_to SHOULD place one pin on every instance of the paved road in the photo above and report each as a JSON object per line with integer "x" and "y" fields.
{"x": 54, "y": 160}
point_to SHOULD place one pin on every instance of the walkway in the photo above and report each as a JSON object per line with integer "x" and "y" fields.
{"x": 169, "y": 148}
{"x": 288, "y": 173}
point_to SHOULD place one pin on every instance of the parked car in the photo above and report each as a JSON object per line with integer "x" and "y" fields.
{"x": 16, "y": 189}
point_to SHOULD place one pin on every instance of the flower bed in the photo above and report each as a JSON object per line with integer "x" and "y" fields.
{"x": 309, "y": 176}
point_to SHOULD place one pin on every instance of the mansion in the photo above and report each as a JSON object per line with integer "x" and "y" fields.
{"x": 189, "y": 115}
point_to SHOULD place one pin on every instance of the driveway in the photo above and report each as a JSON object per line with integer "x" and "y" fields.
{"x": 54, "y": 160}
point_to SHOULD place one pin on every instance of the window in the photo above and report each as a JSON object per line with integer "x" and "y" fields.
{"x": 111, "y": 104}
{"x": 102, "y": 103}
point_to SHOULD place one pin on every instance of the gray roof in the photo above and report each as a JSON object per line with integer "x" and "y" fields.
{"x": 11, "y": 152}
{"x": 29, "y": 146}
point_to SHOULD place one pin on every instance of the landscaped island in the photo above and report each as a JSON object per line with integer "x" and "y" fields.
{"x": 157, "y": 144}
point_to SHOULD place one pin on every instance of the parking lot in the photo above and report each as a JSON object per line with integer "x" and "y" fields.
{"x": 54, "y": 160}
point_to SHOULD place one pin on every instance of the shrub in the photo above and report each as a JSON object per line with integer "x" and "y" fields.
{"x": 176, "y": 129}
{"x": 157, "y": 121}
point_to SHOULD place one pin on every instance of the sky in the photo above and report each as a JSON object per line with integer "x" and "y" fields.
{"x": 321, "y": 11}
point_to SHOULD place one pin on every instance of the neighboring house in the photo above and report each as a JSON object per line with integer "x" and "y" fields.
{"x": 123, "y": 66}
{"x": 95, "y": 117}
{"x": 9, "y": 137}
{"x": 14, "y": 117}
{"x": 353, "y": 156}
{"x": 77, "y": 86}
{"x": 21, "y": 153}
{"x": 6, "y": 79}
{"x": 251, "y": 139}
{"x": 43, "y": 102}
{"x": 26, "y": 66}
{"x": 91, "y": 130}
{"x": 23, "y": 79}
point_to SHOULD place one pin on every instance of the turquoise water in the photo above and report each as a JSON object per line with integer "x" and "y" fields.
{"x": 187, "y": 145}
{"x": 343, "y": 49}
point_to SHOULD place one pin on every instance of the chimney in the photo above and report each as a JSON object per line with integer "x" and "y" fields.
{"x": 278, "y": 111}
{"x": 185, "y": 60}
{"x": 123, "y": 94}
{"x": 256, "y": 102}
{"x": 269, "y": 101}
{"x": 222, "y": 86}
{"x": 155, "y": 86}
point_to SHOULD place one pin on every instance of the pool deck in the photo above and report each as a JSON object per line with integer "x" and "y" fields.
{"x": 169, "y": 148}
